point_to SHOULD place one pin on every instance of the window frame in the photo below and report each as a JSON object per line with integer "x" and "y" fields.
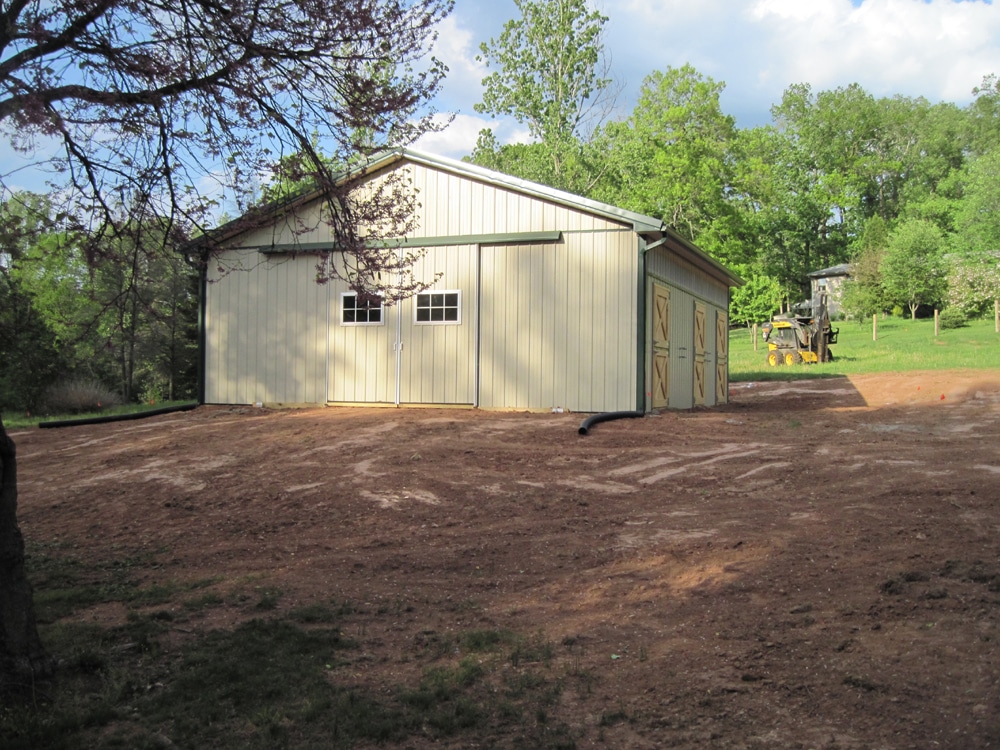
{"x": 430, "y": 293}
{"x": 355, "y": 308}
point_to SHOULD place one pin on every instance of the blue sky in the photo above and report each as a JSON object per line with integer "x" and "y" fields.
{"x": 938, "y": 49}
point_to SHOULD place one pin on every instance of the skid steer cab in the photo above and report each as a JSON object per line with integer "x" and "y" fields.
{"x": 792, "y": 339}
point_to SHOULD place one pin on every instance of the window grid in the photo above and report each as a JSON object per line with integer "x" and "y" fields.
{"x": 356, "y": 311}
{"x": 444, "y": 307}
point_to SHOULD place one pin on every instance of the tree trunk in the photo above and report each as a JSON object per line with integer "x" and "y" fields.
{"x": 23, "y": 660}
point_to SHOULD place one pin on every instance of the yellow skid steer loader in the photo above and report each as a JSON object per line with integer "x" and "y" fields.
{"x": 793, "y": 339}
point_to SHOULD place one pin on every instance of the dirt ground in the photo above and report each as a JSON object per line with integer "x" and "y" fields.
{"x": 816, "y": 564}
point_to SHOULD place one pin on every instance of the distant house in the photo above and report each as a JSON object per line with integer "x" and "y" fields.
{"x": 830, "y": 281}
{"x": 545, "y": 300}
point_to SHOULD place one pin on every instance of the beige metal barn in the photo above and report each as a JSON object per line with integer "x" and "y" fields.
{"x": 542, "y": 299}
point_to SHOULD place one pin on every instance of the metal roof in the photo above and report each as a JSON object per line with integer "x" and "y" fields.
{"x": 844, "y": 269}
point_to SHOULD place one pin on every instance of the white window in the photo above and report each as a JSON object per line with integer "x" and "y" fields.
{"x": 438, "y": 308}
{"x": 357, "y": 310}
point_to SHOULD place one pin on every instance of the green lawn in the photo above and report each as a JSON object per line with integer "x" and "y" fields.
{"x": 902, "y": 345}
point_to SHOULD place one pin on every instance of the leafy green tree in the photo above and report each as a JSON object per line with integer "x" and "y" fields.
{"x": 864, "y": 294}
{"x": 933, "y": 138}
{"x": 974, "y": 283}
{"x": 755, "y": 301}
{"x": 547, "y": 74}
{"x": 671, "y": 159}
{"x": 978, "y": 215}
{"x": 913, "y": 267}
{"x": 785, "y": 215}
{"x": 983, "y": 123}
{"x": 30, "y": 356}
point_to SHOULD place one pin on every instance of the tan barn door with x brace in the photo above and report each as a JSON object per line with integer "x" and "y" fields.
{"x": 699, "y": 353}
{"x": 721, "y": 357}
{"x": 661, "y": 346}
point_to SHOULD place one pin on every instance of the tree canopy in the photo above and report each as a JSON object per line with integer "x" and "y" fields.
{"x": 156, "y": 108}
{"x": 548, "y": 74}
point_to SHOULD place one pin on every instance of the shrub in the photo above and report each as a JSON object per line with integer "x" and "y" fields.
{"x": 952, "y": 317}
{"x": 76, "y": 396}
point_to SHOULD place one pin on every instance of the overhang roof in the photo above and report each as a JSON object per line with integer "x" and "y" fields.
{"x": 844, "y": 269}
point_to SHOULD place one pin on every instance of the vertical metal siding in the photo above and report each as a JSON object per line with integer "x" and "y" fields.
{"x": 558, "y": 324}
{"x": 362, "y": 362}
{"x": 558, "y": 321}
{"x": 263, "y": 341}
{"x": 680, "y": 274}
{"x": 437, "y": 363}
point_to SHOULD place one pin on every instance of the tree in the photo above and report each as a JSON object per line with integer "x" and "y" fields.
{"x": 864, "y": 293}
{"x": 671, "y": 159}
{"x": 913, "y": 268}
{"x": 974, "y": 283}
{"x": 29, "y": 354}
{"x": 978, "y": 215}
{"x": 153, "y": 103}
{"x": 755, "y": 301}
{"x": 548, "y": 75}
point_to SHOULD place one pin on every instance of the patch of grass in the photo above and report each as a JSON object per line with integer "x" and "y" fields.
{"x": 14, "y": 421}
{"x": 313, "y": 614}
{"x": 268, "y": 599}
{"x": 902, "y": 345}
{"x": 63, "y": 585}
{"x": 476, "y": 641}
{"x": 532, "y": 650}
{"x": 205, "y": 601}
{"x": 282, "y": 682}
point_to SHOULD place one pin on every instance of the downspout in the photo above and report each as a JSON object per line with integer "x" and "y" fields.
{"x": 641, "y": 375}
{"x": 478, "y": 346}
{"x": 330, "y": 298}
{"x": 202, "y": 325}
{"x": 641, "y": 313}
{"x": 399, "y": 333}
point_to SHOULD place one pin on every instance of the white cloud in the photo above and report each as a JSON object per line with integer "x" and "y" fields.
{"x": 459, "y": 138}
{"x": 457, "y": 47}
{"x": 889, "y": 46}
{"x": 939, "y": 49}
{"x": 456, "y": 140}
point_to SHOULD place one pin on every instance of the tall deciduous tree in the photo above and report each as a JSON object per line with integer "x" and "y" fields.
{"x": 913, "y": 268}
{"x": 671, "y": 158}
{"x": 548, "y": 74}
{"x": 150, "y": 104}
{"x": 864, "y": 292}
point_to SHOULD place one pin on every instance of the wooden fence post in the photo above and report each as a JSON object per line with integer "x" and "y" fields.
{"x": 937, "y": 319}
{"x": 875, "y": 327}
{"x": 755, "y": 337}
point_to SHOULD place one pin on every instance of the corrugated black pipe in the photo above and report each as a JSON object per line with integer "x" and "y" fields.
{"x": 117, "y": 417}
{"x": 607, "y": 417}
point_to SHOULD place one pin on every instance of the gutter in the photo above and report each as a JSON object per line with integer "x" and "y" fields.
{"x": 640, "y": 325}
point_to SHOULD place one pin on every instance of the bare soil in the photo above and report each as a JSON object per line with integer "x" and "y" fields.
{"x": 816, "y": 564}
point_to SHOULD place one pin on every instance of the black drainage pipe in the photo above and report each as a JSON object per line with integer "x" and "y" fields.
{"x": 117, "y": 417}
{"x": 607, "y": 417}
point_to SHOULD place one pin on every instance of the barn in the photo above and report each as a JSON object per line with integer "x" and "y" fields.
{"x": 539, "y": 300}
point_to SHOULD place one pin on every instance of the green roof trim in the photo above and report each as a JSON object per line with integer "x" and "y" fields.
{"x": 511, "y": 238}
